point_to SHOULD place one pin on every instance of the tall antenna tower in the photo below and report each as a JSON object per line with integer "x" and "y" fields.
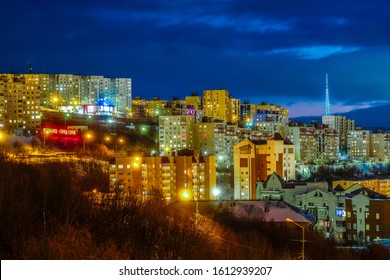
{"x": 327, "y": 103}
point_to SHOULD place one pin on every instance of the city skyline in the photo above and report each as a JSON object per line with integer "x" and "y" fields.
{"x": 257, "y": 50}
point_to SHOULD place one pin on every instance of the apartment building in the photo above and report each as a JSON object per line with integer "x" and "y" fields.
{"x": 380, "y": 146}
{"x": 175, "y": 133}
{"x": 342, "y": 125}
{"x": 256, "y": 160}
{"x": 20, "y": 104}
{"x": 247, "y": 110}
{"x": 186, "y": 175}
{"x": 367, "y": 217}
{"x": 218, "y": 105}
{"x": 358, "y": 144}
{"x": 62, "y": 90}
{"x": 313, "y": 144}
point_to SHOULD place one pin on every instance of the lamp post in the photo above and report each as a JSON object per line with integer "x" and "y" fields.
{"x": 65, "y": 115}
{"x": 107, "y": 139}
{"x": 303, "y": 236}
{"x": 216, "y": 192}
{"x": 116, "y": 144}
{"x": 88, "y": 136}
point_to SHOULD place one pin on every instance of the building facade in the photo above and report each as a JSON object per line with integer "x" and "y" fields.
{"x": 256, "y": 160}
{"x": 342, "y": 125}
{"x": 67, "y": 90}
{"x": 175, "y": 133}
{"x": 218, "y": 105}
{"x": 358, "y": 144}
{"x": 312, "y": 144}
{"x": 187, "y": 175}
{"x": 20, "y": 104}
{"x": 367, "y": 218}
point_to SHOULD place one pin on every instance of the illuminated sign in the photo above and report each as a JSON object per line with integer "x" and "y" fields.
{"x": 340, "y": 213}
{"x": 60, "y": 131}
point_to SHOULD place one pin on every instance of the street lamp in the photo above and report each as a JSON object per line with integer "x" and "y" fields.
{"x": 116, "y": 144}
{"x": 303, "y": 236}
{"x": 66, "y": 115}
{"x": 88, "y": 136}
{"x": 216, "y": 192}
{"x": 107, "y": 139}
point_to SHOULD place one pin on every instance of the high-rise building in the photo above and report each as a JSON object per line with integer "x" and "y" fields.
{"x": 342, "y": 125}
{"x": 358, "y": 144}
{"x": 218, "y": 105}
{"x": 235, "y": 110}
{"x": 380, "y": 146}
{"x": 256, "y": 160}
{"x": 175, "y": 133}
{"x": 20, "y": 103}
{"x": 247, "y": 110}
{"x": 313, "y": 144}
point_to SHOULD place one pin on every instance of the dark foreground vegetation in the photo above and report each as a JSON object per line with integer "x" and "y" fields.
{"x": 46, "y": 213}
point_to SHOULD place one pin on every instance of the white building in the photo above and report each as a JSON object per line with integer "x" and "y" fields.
{"x": 175, "y": 133}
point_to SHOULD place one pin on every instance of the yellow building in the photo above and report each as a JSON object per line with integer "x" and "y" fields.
{"x": 126, "y": 173}
{"x": 235, "y": 110}
{"x": 266, "y": 108}
{"x": 195, "y": 102}
{"x": 155, "y": 108}
{"x": 20, "y": 110}
{"x": 256, "y": 160}
{"x": 381, "y": 186}
{"x": 185, "y": 176}
{"x": 217, "y": 104}
{"x": 380, "y": 146}
{"x": 204, "y": 137}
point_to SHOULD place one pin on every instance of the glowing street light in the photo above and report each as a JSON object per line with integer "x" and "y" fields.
{"x": 120, "y": 141}
{"x": 216, "y": 192}
{"x": 185, "y": 195}
{"x": 303, "y": 236}
{"x": 107, "y": 138}
{"x": 87, "y": 136}
{"x": 65, "y": 116}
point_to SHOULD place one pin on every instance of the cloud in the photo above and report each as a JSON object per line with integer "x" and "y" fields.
{"x": 315, "y": 52}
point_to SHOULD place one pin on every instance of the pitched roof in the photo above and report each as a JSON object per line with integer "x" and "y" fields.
{"x": 339, "y": 188}
{"x": 367, "y": 192}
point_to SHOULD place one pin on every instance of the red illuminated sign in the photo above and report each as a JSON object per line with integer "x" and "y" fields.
{"x": 60, "y": 131}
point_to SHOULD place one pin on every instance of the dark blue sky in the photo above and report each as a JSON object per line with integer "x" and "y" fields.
{"x": 274, "y": 51}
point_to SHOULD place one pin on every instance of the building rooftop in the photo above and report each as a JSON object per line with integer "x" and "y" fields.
{"x": 267, "y": 211}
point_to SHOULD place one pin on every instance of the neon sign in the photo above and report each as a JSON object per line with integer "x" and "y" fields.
{"x": 60, "y": 131}
{"x": 340, "y": 213}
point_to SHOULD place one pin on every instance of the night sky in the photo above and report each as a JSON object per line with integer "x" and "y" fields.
{"x": 276, "y": 51}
